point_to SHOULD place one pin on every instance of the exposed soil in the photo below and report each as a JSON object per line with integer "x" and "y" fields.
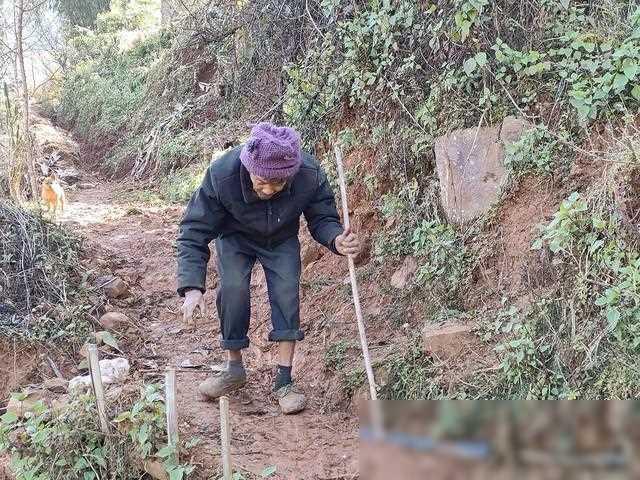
{"x": 628, "y": 198}
{"x": 18, "y": 365}
{"x": 513, "y": 267}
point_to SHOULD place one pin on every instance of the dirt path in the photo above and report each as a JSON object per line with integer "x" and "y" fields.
{"x": 136, "y": 242}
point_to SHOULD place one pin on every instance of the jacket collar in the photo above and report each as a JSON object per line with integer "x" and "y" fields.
{"x": 250, "y": 195}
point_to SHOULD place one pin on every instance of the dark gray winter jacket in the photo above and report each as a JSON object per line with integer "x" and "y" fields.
{"x": 225, "y": 203}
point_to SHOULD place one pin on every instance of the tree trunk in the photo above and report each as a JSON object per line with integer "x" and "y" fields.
{"x": 27, "y": 149}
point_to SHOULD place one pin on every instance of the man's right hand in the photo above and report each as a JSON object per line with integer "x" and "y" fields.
{"x": 192, "y": 299}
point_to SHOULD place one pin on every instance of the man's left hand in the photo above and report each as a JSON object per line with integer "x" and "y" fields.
{"x": 348, "y": 243}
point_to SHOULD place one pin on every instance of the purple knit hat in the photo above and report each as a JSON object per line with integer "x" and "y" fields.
{"x": 272, "y": 152}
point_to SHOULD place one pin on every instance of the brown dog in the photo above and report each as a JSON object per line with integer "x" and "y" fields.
{"x": 52, "y": 195}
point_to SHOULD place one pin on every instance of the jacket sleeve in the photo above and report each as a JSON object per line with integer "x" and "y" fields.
{"x": 321, "y": 214}
{"x": 201, "y": 223}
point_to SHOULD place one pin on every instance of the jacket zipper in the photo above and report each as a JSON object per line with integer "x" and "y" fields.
{"x": 269, "y": 213}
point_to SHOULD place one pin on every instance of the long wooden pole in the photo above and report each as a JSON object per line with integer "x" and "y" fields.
{"x": 98, "y": 389}
{"x": 375, "y": 409}
{"x": 354, "y": 281}
{"x": 172, "y": 408}
{"x": 225, "y": 438}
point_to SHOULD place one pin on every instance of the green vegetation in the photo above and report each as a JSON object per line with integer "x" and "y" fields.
{"x": 82, "y": 13}
{"x": 336, "y": 354}
{"x": 132, "y": 100}
{"x": 49, "y": 444}
{"x": 411, "y": 375}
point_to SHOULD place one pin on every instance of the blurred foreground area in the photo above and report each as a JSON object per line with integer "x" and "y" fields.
{"x": 498, "y": 440}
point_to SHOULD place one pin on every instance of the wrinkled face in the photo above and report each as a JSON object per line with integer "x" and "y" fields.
{"x": 265, "y": 189}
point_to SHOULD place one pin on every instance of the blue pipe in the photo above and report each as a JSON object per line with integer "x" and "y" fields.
{"x": 479, "y": 450}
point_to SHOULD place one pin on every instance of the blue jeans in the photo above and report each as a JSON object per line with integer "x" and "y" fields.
{"x": 236, "y": 256}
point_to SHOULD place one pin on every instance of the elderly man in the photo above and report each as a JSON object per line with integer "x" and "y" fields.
{"x": 250, "y": 201}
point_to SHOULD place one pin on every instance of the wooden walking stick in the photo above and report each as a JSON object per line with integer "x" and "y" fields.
{"x": 375, "y": 410}
{"x": 354, "y": 281}
{"x": 375, "y": 407}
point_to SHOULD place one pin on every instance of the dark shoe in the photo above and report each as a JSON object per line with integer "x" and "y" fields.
{"x": 290, "y": 399}
{"x": 222, "y": 383}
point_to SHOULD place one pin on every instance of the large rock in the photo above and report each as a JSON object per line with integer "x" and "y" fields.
{"x": 404, "y": 274}
{"x": 470, "y": 166}
{"x": 115, "y": 370}
{"x": 448, "y": 341}
{"x": 155, "y": 469}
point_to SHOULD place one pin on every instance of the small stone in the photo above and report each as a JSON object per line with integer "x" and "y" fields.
{"x": 80, "y": 383}
{"x": 448, "y": 341}
{"x": 114, "y": 321}
{"x": 85, "y": 185}
{"x": 113, "y": 287}
{"x": 405, "y": 273}
{"x": 373, "y": 311}
{"x": 57, "y": 385}
{"x": 155, "y": 469}
{"x": 21, "y": 407}
{"x": 60, "y": 403}
{"x": 116, "y": 289}
{"x": 115, "y": 370}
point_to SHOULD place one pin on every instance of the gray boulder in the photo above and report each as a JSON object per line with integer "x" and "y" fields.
{"x": 470, "y": 165}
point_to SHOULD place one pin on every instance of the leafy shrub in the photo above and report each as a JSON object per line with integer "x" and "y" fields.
{"x": 577, "y": 229}
{"x": 106, "y": 87}
{"x": 443, "y": 253}
{"x": 410, "y": 376}
{"x": 534, "y": 152}
{"x": 68, "y": 443}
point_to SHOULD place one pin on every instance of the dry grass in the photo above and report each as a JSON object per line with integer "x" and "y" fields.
{"x": 42, "y": 292}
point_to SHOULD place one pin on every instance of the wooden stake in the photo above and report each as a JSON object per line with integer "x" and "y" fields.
{"x": 225, "y": 438}
{"x": 98, "y": 390}
{"x": 172, "y": 408}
